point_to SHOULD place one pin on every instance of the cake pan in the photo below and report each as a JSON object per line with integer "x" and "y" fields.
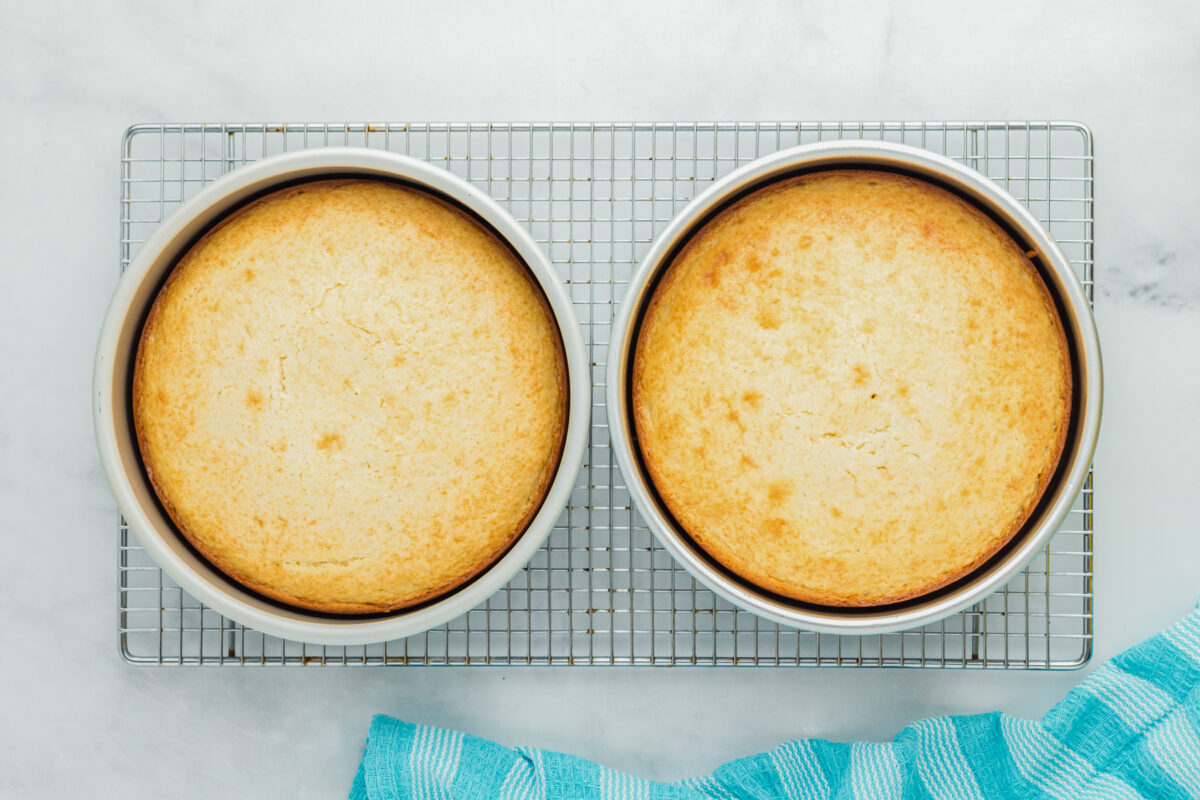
{"x": 1077, "y": 320}
{"x": 117, "y": 443}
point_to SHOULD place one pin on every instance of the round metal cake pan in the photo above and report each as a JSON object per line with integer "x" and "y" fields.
{"x": 1077, "y": 320}
{"x": 117, "y": 442}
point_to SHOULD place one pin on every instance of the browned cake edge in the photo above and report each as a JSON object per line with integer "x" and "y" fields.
{"x": 215, "y": 558}
{"x": 662, "y": 486}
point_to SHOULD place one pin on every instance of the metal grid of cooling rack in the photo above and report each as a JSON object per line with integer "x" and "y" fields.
{"x": 601, "y": 591}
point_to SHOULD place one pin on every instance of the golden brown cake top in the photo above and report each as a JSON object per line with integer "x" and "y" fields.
{"x": 851, "y": 388}
{"x": 350, "y": 396}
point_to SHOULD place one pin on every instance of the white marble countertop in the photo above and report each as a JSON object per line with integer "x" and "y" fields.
{"x": 73, "y": 76}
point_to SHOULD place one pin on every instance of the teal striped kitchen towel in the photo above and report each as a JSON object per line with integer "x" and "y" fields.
{"x": 1131, "y": 729}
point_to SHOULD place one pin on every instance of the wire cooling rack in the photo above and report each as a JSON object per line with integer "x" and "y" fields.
{"x": 601, "y": 591}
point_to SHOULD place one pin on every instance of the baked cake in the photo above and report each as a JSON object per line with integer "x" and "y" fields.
{"x": 851, "y": 388}
{"x": 350, "y": 396}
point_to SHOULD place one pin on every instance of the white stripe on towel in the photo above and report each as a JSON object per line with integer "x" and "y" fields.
{"x": 1057, "y": 770}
